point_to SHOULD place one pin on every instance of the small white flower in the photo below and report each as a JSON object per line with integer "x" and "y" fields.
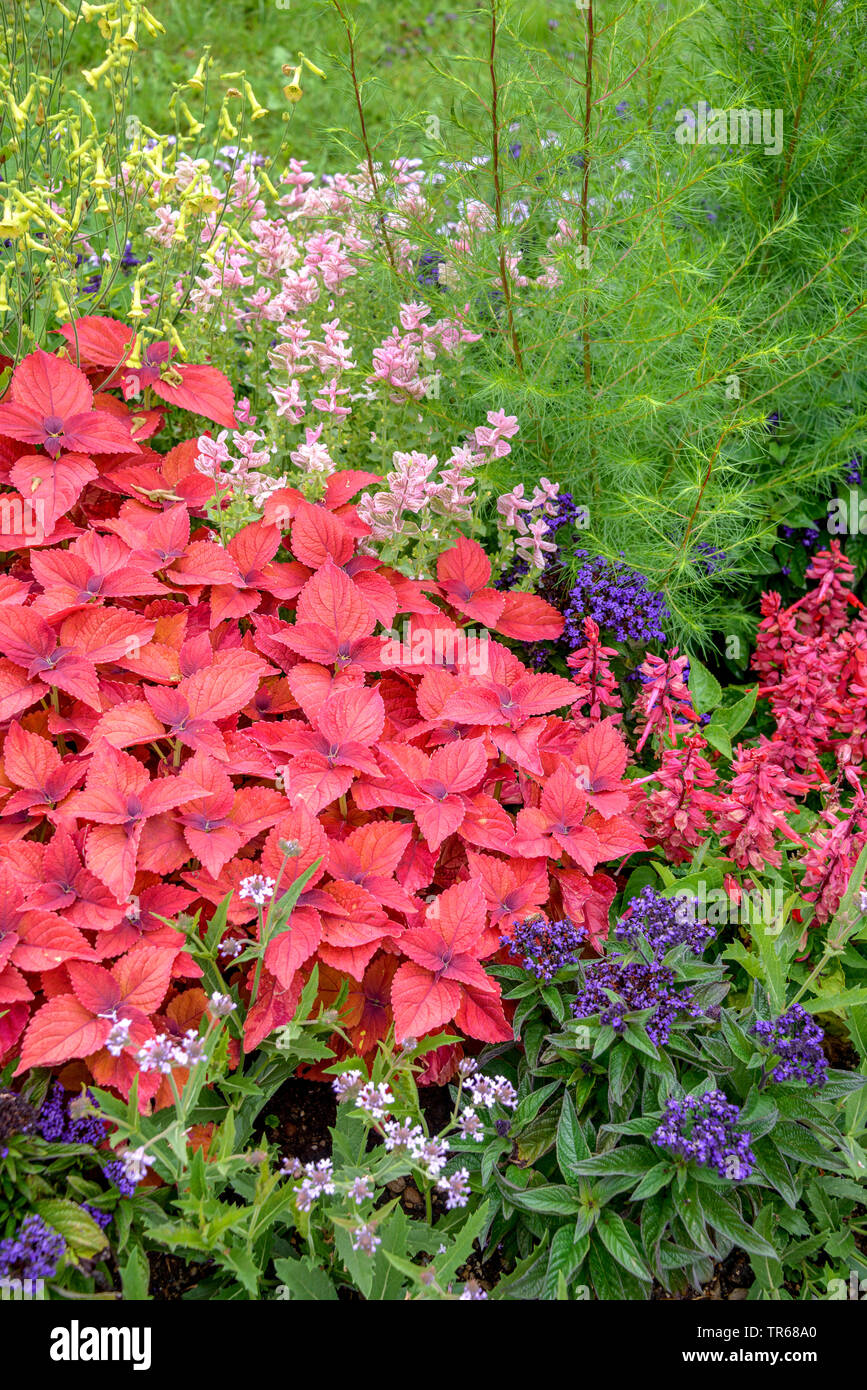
{"x": 360, "y": 1189}
{"x": 457, "y": 1188}
{"x": 364, "y": 1238}
{"x": 258, "y": 888}
{"x": 119, "y": 1037}
{"x": 221, "y": 1004}
{"x": 471, "y": 1127}
{"x": 136, "y": 1163}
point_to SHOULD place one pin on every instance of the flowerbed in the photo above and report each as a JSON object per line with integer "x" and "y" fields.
{"x": 323, "y": 761}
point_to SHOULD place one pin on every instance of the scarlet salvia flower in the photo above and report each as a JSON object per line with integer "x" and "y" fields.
{"x": 679, "y": 809}
{"x": 825, "y": 609}
{"x": 836, "y": 842}
{"x": 593, "y": 675}
{"x": 664, "y": 701}
{"x": 755, "y": 806}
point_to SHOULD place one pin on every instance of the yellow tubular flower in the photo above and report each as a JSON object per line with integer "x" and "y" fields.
{"x": 197, "y": 81}
{"x": 196, "y": 127}
{"x": 135, "y": 310}
{"x": 292, "y": 92}
{"x": 312, "y": 66}
{"x": 151, "y": 23}
{"x": 256, "y": 110}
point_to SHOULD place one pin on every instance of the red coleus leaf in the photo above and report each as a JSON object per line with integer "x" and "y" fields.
{"x": 463, "y": 572}
{"x": 65, "y": 885}
{"x": 119, "y": 798}
{"x": 50, "y": 402}
{"x": 202, "y": 390}
{"x": 51, "y": 486}
{"x": 29, "y": 642}
{"x": 318, "y": 535}
{"x": 511, "y": 889}
{"x": 428, "y": 990}
{"x": 600, "y": 758}
{"x": 333, "y": 620}
{"x": 62, "y": 1028}
{"x": 33, "y": 764}
{"x": 559, "y": 817}
{"x": 528, "y": 618}
{"x": 100, "y": 341}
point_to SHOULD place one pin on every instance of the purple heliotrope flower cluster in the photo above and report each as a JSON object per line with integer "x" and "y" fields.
{"x": 663, "y": 922}
{"x": 34, "y": 1252}
{"x": 704, "y": 1129}
{"x": 796, "y": 1039}
{"x": 617, "y": 598}
{"x": 16, "y": 1117}
{"x": 638, "y": 985}
{"x": 116, "y": 1172}
{"x": 58, "y": 1126}
{"x": 102, "y": 1218}
{"x": 546, "y": 947}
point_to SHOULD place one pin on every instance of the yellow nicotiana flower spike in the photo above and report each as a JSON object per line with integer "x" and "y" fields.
{"x": 197, "y": 81}
{"x": 151, "y": 23}
{"x": 225, "y": 125}
{"x": 257, "y": 111}
{"x": 100, "y": 179}
{"x": 292, "y": 92}
{"x": 92, "y": 75}
{"x": 5, "y": 307}
{"x": 312, "y": 66}
{"x": 196, "y": 127}
{"x": 263, "y": 178}
{"x": 128, "y": 40}
{"x": 135, "y": 310}
{"x": 175, "y": 340}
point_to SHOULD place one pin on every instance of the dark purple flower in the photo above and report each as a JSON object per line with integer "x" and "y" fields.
{"x": 796, "y": 1039}
{"x": 33, "y": 1252}
{"x": 102, "y": 1218}
{"x": 617, "y": 598}
{"x": 703, "y": 1129}
{"x": 638, "y": 985}
{"x": 664, "y": 923}
{"x": 546, "y": 947}
{"x": 58, "y": 1125}
{"x": 116, "y": 1173}
{"x": 16, "y": 1115}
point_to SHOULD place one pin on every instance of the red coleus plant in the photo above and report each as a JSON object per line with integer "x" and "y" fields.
{"x": 174, "y": 711}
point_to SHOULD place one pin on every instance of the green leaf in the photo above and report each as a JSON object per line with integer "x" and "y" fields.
{"x": 795, "y": 1141}
{"x": 719, "y": 739}
{"x": 135, "y": 1273}
{"x": 723, "y": 1217}
{"x": 538, "y": 1137}
{"x": 564, "y": 1259}
{"x": 775, "y": 1168}
{"x": 554, "y": 1199}
{"x": 705, "y": 689}
{"x": 734, "y": 717}
{"x": 632, "y": 1159}
{"x": 527, "y": 1279}
{"x": 653, "y": 1181}
{"x": 529, "y": 1107}
{"x": 305, "y": 1281}
{"x": 571, "y": 1144}
{"x": 619, "y": 1243}
{"x": 81, "y": 1233}
{"x": 240, "y": 1261}
{"x": 621, "y": 1069}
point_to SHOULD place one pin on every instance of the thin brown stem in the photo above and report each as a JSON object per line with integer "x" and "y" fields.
{"x": 356, "y": 87}
{"x": 498, "y": 193}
